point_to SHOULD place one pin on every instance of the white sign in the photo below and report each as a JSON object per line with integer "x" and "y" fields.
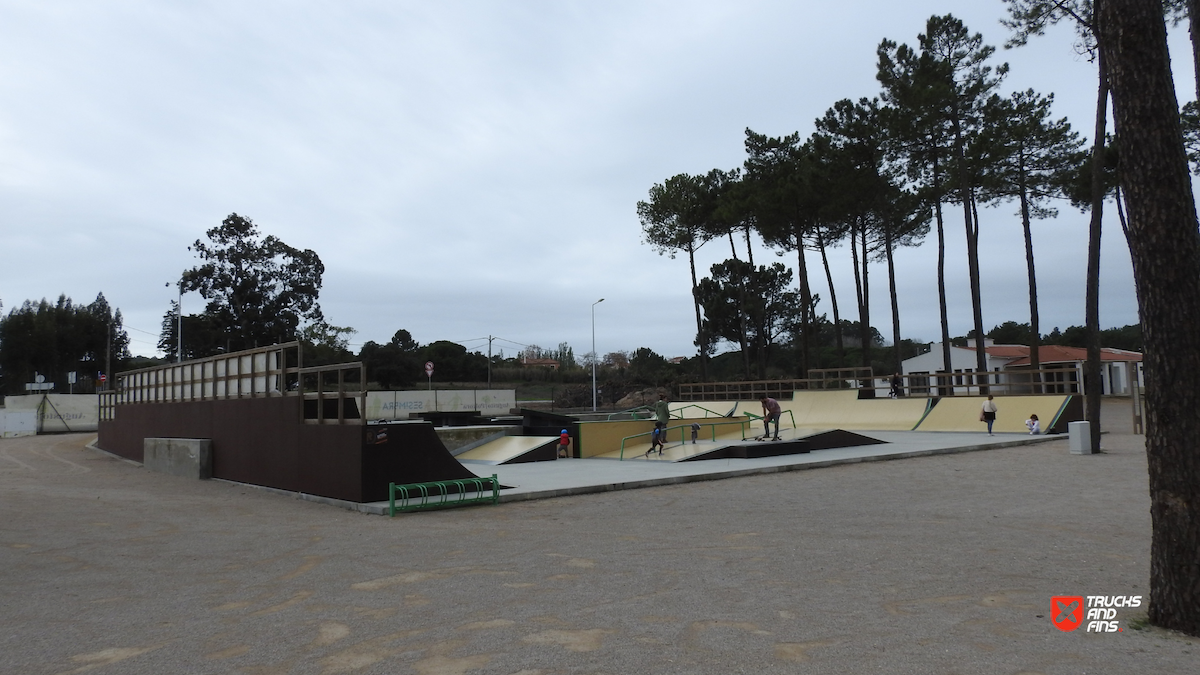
{"x": 429, "y": 368}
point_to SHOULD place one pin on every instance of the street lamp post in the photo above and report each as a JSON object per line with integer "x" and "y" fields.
{"x": 594, "y": 352}
{"x": 179, "y": 323}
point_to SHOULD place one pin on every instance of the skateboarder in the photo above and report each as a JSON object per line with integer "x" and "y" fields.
{"x": 695, "y": 431}
{"x": 771, "y": 413}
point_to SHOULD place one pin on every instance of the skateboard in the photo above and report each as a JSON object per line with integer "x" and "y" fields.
{"x": 767, "y": 438}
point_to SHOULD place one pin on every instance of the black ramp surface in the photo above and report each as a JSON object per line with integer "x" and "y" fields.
{"x": 402, "y": 453}
{"x": 752, "y": 449}
{"x": 547, "y": 452}
{"x": 839, "y": 438}
{"x": 823, "y": 440}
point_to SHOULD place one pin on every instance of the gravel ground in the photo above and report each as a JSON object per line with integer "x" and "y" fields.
{"x": 940, "y": 564}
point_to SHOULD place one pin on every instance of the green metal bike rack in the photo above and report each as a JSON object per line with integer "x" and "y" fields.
{"x": 442, "y": 494}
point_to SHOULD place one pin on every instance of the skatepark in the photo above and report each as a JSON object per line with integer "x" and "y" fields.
{"x": 827, "y": 559}
{"x": 262, "y": 418}
{"x": 937, "y": 563}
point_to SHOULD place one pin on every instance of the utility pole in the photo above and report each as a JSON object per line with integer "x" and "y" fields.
{"x": 179, "y": 323}
{"x": 594, "y": 352}
{"x": 108, "y": 358}
{"x": 490, "y": 338}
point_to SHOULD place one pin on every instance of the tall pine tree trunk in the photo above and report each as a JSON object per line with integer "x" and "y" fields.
{"x": 965, "y": 195}
{"x": 1193, "y": 19}
{"x": 861, "y": 288}
{"x": 742, "y": 331}
{"x": 1035, "y": 340}
{"x": 942, "y": 277}
{"x": 701, "y": 338}
{"x": 1093, "y": 386}
{"x": 805, "y": 303}
{"x": 837, "y": 320}
{"x": 1165, "y": 248}
{"x": 891, "y": 264}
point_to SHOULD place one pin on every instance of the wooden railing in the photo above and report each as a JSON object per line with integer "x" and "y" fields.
{"x": 1056, "y": 381}
{"x": 332, "y": 394}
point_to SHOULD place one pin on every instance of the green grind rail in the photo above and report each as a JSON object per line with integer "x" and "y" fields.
{"x": 442, "y": 494}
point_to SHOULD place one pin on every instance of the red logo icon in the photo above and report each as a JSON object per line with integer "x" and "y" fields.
{"x": 1066, "y": 612}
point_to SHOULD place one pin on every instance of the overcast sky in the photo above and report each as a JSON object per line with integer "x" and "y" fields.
{"x": 467, "y": 169}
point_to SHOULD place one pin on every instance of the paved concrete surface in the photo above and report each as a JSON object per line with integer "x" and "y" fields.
{"x": 539, "y": 480}
{"x": 935, "y": 564}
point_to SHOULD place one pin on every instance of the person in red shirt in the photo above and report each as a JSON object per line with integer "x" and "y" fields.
{"x": 564, "y": 444}
{"x": 771, "y": 413}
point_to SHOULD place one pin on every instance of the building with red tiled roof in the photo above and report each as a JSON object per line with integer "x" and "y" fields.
{"x": 1011, "y": 364}
{"x": 539, "y": 363}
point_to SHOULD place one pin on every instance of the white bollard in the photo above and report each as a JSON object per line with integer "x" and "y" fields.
{"x": 1080, "y": 434}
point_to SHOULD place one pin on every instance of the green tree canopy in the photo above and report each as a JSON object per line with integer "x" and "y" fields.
{"x": 54, "y": 339}
{"x": 260, "y": 291}
{"x": 394, "y": 365}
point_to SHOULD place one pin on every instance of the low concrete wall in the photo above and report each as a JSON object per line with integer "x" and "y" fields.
{"x": 14, "y": 423}
{"x": 187, "y": 457}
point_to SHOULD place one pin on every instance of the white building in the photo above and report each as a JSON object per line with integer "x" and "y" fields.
{"x": 1010, "y": 365}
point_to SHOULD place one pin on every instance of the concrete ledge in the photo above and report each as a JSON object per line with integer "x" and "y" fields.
{"x": 187, "y": 457}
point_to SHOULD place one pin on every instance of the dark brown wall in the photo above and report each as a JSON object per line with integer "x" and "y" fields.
{"x": 259, "y": 441}
{"x": 264, "y": 442}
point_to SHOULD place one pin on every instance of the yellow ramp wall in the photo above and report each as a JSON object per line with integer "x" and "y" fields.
{"x": 598, "y": 438}
{"x": 843, "y": 409}
{"x": 961, "y": 413}
{"x": 901, "y": 414}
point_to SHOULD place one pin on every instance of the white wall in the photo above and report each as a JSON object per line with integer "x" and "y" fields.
{"x": 61, "y": 412}
{"x": 399, "y": 405}
{"x": 14, "y": 423}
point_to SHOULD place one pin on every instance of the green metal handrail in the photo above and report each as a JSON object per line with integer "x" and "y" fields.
{"x": 633, "y": 412}
{"x": 683, "y": 439}
{"x": 679, "y": 412}
{"x": 438, "y": 494}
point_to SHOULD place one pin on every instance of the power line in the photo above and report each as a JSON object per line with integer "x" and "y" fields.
{"x": 141, "y": 331}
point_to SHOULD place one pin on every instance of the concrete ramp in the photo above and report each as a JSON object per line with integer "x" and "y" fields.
{"x": 513, "y": 450}
{"x": 961, "y": 413}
